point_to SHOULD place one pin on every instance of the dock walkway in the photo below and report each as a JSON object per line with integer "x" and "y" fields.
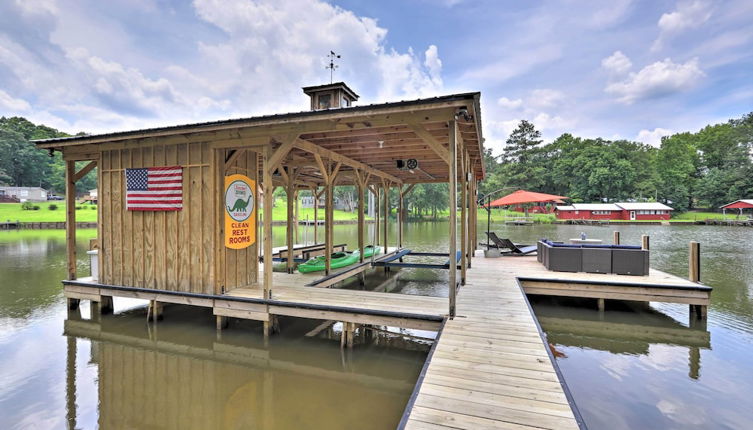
{"x": 490, "y": 367}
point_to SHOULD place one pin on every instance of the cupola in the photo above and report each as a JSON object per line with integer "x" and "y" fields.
{"x": 330, "y": 96}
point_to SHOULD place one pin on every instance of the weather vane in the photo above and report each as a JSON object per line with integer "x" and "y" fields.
{"x": 332, "y": 66}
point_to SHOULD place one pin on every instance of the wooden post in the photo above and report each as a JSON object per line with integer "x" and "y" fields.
{"x": 316, "y": 195}
{"x": 616, "y": 237}
{"x": 377, "y": 212}
{"x": 328, "y": 202}
{"x": 105, "y": 305}
{"x": 268, "y": 198}
{"x": 70, "y": 382}
{"x": 694, "y": 262}
{"x": 73, "y": 303}
{"x": 600, "y": 304}
{"x": 644, "y": 242}
{"x": 296, "y": 237}
{"x": 70, "y": 217}
{"x": 221, "y": 322}
{"x": 290, "y": 192}
{"x": 386, "y": 187}
{"x": 474, "y": 216}
{"x": 360, "y": 189}
{"x": 400, "y": 217}
{"x": 155, "y": 310}
{"x": 453, "y": 186}
{"x": 463, "y": 219}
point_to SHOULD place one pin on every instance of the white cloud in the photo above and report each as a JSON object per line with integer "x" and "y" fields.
{"x": 656, "y": 80}
{"x": 653, "y": 137}
{"x": 247, "y": 57}
{"x": 611, "y": 13}
{"x": 508, "y": 103}
{"x": 689, "y": 14}
{"x": 617, "y": 63}
{"x": 13, "y": 105}
{"x": 542, "y": 98}
{"x": 433, "y": 65}
{"x": 514, "y": 64}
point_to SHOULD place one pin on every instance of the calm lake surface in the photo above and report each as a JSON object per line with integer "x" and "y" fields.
{"x": 627, "y": 368}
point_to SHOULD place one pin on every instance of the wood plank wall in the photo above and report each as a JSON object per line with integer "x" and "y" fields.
{"x": 162, "y": 250}
{"x": 241, "y": 266}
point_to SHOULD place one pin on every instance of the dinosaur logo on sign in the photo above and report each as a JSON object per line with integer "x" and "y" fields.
{"x": 239, "y": 200}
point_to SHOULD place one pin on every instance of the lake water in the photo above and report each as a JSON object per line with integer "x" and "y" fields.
{"x": 627, "y": 368}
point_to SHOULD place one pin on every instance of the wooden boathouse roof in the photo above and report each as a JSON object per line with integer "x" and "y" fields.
{"x": 375, "y": 135}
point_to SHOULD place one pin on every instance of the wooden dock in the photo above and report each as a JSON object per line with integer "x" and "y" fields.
{"x": 491, "y": 366}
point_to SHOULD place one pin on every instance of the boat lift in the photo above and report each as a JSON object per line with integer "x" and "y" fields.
{"x": 397, "y": 260}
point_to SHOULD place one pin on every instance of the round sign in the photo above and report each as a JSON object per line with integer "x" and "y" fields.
{"x": 239, "y": 200}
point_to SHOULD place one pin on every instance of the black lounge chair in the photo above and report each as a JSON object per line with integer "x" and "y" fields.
{"x": 508, "y": 244}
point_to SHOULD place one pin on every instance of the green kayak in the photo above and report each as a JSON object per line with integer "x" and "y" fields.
{"x": 338, "y": 260}
{"x": 368, "y": 251}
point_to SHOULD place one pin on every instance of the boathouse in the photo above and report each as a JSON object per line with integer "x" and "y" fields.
{"x": 648, "y": 211}
{"x": 209, "y": 232}
{"x": 740, "y": 205}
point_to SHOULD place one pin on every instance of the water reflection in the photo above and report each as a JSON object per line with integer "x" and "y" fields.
{"x": 623, "y": 329}
{"x": 178, "y": 374}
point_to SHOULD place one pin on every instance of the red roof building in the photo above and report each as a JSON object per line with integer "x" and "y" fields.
{"x": 650, "y": 211}
{"x": 739, "y": 205}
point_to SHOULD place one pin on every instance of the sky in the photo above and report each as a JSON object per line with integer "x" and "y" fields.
{"x": 618, "y": 69}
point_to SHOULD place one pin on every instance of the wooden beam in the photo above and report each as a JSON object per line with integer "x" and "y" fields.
{"x": 361, "y": 221}
{"x": 408, "y": 189}
{"x": 322, "y": 169}
{"x": 282, "y": 151}
{"x": 268, "y": 201}
{"x": 70, "y": 217}
{"x": 399, "y": 217}
{"x": 86, "y": 169}
{"x": 386, "y": 188}
{"x": 234, "y": 155}
{"x": 694, "y": 262}
{"x": 334, "y": 156}
{"x": 432, "y": 141}
{"x": 453, "y": 186}
{"x": 289, "y": 226}
{"x": 463, "y": 218}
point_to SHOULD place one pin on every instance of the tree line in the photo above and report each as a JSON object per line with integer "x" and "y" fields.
{"x": 706, "y": 169}
{"x": 22, "y": 164}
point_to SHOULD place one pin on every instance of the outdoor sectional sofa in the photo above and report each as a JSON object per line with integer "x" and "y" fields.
{"x": 592, "y": 258}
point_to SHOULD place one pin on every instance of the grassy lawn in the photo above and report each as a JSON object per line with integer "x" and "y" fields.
{"x": 88, "y": 213}
{"x": 280, "y": 213}
{"x": 507, "y": 215}
{"x": 693, "y": 216}
{"x": 13, "y": 212}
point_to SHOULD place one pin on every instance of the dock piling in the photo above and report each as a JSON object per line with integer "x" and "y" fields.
{"x": 645, "y": 242}
{"x": 155, "y": 310}
{"x": 616, "y": 237}
{"x": 105, "y": 305}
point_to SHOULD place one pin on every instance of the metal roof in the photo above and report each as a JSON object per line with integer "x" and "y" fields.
{"x": 615, "y": 207}
{"x": 596, "y": 207}
{"x": 249, "y": 121}
{"x": 644, "y": 206}
{"x": 744, "y": 201}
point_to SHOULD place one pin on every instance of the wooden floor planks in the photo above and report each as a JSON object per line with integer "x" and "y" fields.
{"x": 490, "y": 368}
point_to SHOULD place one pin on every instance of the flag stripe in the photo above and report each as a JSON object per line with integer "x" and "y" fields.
{"x": 154, "y": 189}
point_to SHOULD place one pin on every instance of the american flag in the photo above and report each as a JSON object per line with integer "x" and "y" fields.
{"x": 154, "y": 189}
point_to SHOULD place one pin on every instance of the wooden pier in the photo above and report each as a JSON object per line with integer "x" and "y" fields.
{"x": 491, "y": 366}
